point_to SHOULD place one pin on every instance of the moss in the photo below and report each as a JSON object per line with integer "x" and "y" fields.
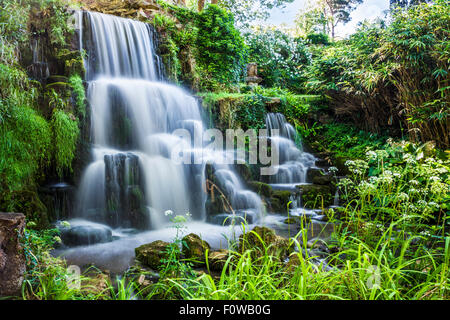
{"x": 279, "y": 200}
{"x": 151, "y": 254}
{"x": 261, "y": 239}
{"x": 28, "y": 203}
{"x": 66, "y": 133}
{"x": 317, "y": 196}
{"x": 260, "y": 188}
{"x": 79, "y": 95}
{"x": 194, "y": 248}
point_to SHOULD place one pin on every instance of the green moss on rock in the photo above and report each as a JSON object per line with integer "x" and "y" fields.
{"x": 151, "y": 254}
{"x": 261, "y": 239}
{"x": 317, "y": 196}
{"x": 261, "y": 188}
{"x": 194, "y": 248}
{"x": 279, "y": 200}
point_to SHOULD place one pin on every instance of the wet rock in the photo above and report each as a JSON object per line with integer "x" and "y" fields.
{"x": 244, "y": 171}
{"x": 150, "y": 254}
{"x": 143, "y": 277}
{"x": 323, "y": 179}
{"x": 317, "y": 196}
{"x": 261, "y": 188}
{"x": 217, "y": 259}
{"x": 297, "y": 220}
{"x": 279, "y": 200}
{"x": 86, "y": 235}
{"x": 293, "y": 262}
{"x": 194, "y": 248}
{"x": 317, "y": 244}
{"x": 12, "y": 258}
{"x": 124, "y": 196}
{"x": 29, "y": 203}
{"x": 226, "y": 219}
{"x": 313, "y": 173}
{"x": 261, "y": 238}
{"x": 59, "y": 199}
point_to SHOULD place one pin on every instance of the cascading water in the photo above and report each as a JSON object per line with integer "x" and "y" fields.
{"x": 133, "y": 180}
{"x": 293, "y": 162}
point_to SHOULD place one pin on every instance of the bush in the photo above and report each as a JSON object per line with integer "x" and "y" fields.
{"x": 281, "y": 58}
{"x": 221, "y": 49}
{"x": 392, "y": 77}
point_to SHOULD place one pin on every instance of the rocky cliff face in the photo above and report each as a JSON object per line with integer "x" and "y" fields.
{"x": 12, "y": 258}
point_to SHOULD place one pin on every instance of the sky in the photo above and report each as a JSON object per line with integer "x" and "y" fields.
{"x": 369, "y": 9}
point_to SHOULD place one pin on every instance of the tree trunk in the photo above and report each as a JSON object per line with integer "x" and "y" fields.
{"x": 201, "y": 5}
{"x": 214, "y": 1}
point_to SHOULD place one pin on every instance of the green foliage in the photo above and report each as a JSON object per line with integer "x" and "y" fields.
{"x": 248, "y": 110}
{"x": 384, "y": 268}
{"x": 221, "y": 49}
{"x": 392, "y": 76}
{"x": 24, "y": 134}
{"x": 401, "y": 182}
{"x": 318, "y": 38}
{"x": 80, "y": 96}
{"x": 66, "y": 133}
{"x": 344, "y": 140}
{"x": 281, "y": 58}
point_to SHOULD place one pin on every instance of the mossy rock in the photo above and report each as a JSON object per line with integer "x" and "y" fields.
{"x": 317, "y": 196}
{"x": 194, "y": 248}
{"x": 217, "y": 206}
{"x": 262, "y": 238}
{"x": 72, "y": 60}
{"x": 151, "y": 254}
{"x": 261, "y": 188}
{"x": 57, "y": 78}
{"x": 217, "y": 259}
{"x": 324, "y": 179}
{"x": 313, "y": 173}
{"x": 296, "y": 220}
{"x": 244, "y": 171}
{"x": 28, "y": 203}
{"x": 279, "y": 200}
{"x": 275, "y": 205}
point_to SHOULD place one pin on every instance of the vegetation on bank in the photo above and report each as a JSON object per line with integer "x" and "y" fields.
{"x": 39, "y": 120}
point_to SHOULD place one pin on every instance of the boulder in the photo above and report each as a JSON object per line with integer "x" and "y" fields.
{"x": 227, "y": 219}
{"x": 323, "y": 179}
{"x": 317, "y": 196}
{"x": 217, "y": 259}
{"x": 261, "y": 238}
{"x": 244, "y": 171}
{"x": 261, "y": 188}
{"x": 279, "y": 200}
{"x": 313, "y": 173}
{"x": 194, "y": 248}
{"x": 86, "y": 235}
{"x": 12, "y": 258}
{"x": 150, "y": 254}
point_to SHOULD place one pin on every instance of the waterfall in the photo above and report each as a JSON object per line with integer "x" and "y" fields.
{"x": 132, "y": 180}
{"x": 293, "y": 161}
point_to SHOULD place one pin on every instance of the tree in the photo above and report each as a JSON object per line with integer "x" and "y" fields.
{"x": 404, "y": 3}
{"x": 245, "y": 11}
{"x": 310, "y": 20}
{"x": 337, "y": 11}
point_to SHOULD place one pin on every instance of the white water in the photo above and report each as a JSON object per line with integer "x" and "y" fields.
{"x": 293, "y": 161}
{"x": 133, "y": 115}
